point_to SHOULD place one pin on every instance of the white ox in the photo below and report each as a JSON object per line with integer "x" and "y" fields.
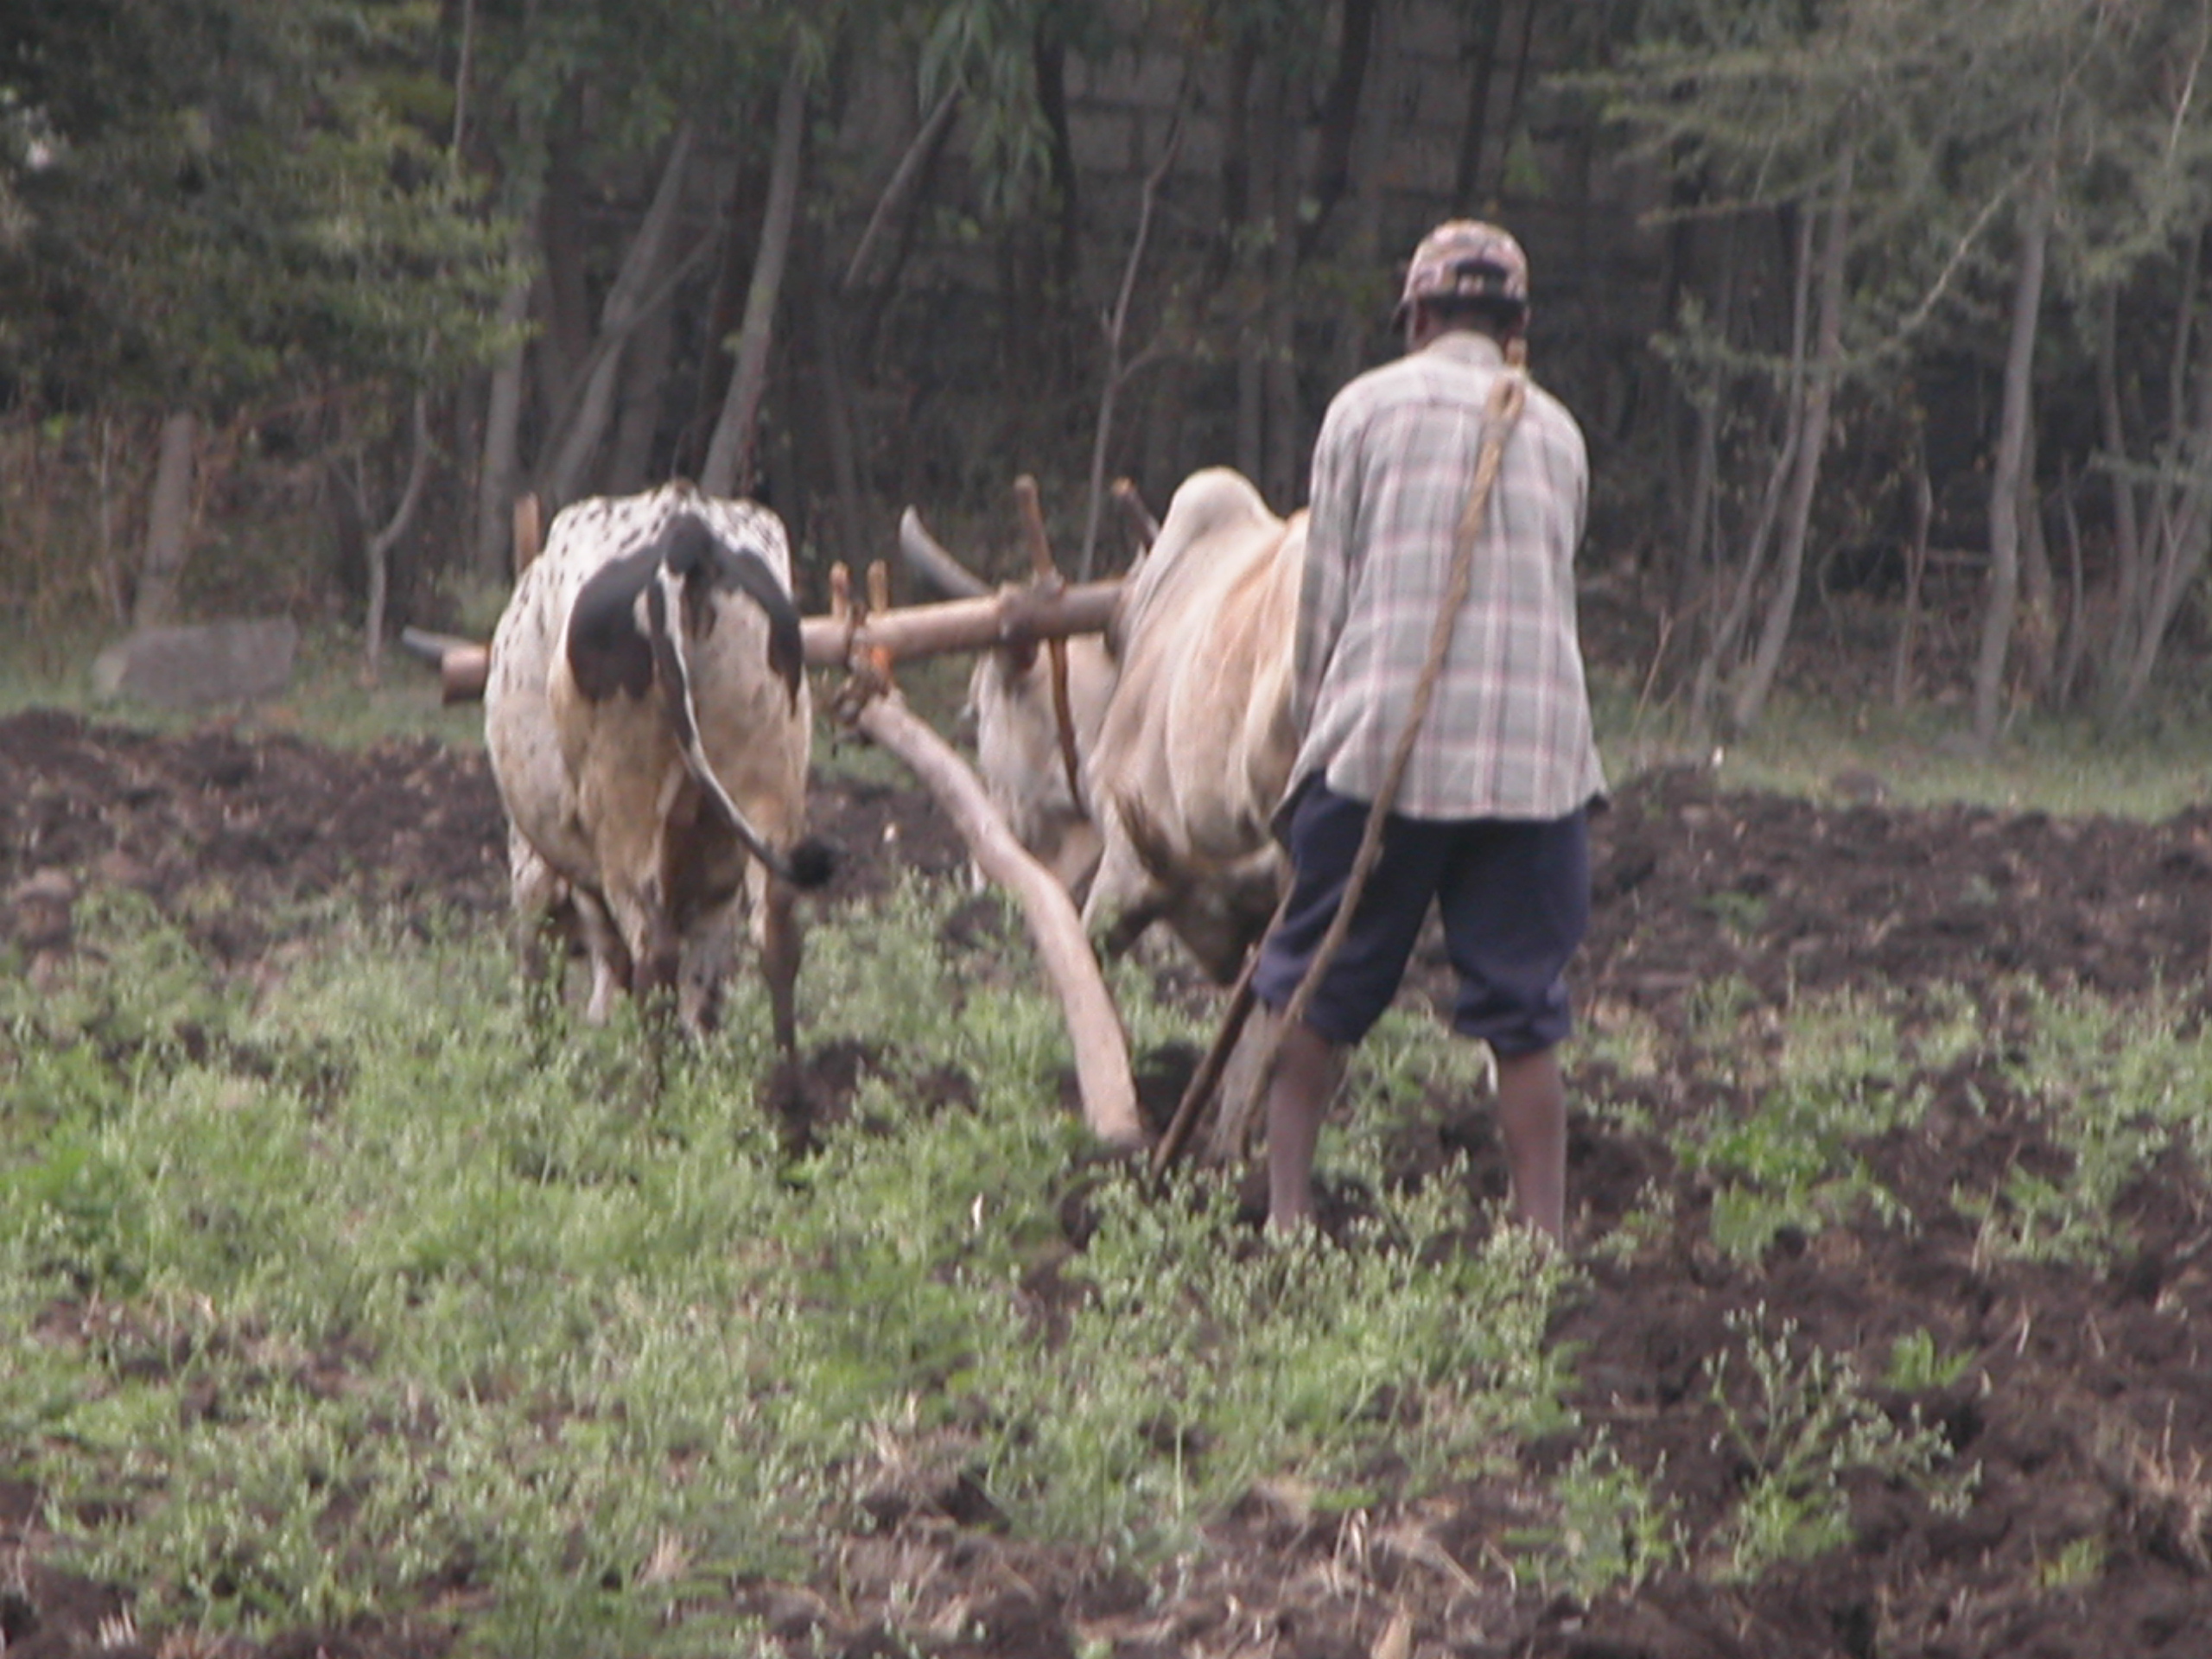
{"x": 1197, "y": 744}
{"x": 1018, "y": 755}
{"x": 648, "y": 724}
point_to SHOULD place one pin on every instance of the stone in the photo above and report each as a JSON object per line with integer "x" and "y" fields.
{"x": 193, "y": 665}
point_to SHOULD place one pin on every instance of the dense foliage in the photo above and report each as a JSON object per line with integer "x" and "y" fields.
{"x": 219, "y": 204}
{"x": 1855, "y": 297}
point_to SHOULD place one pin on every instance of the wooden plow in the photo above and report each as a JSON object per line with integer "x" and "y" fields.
{"x": 865, "y": 635}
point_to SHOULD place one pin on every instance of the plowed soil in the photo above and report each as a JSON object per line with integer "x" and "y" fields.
{"x": 2088, "y": 1405}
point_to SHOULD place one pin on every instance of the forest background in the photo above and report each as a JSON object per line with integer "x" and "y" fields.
{"x": 1891, "y": 312}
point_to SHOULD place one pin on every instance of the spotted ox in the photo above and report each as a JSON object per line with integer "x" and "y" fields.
{"x": 1196, "y": 744}
{"x": 648, "y": 722}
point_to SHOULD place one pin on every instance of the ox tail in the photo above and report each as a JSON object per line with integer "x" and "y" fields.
{"x": 811, "y": 861}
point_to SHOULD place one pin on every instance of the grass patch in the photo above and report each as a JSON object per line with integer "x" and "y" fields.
{"x": 2069, "y": 764}
{"x": 329, "y": 699}
{"x": 332, "y": 1298}
{"x": 2104, "y": 1091}
{"x": 1811, "y": 1087}
{"x": 2120, "y": 1087}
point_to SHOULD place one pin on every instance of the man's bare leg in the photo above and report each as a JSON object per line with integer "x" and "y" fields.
{"x": 1532, "y": 1117}
{"x": 1308, "y": 1069}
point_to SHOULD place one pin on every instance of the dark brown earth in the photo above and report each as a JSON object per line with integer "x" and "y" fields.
{"x": 2087, "y": 1406}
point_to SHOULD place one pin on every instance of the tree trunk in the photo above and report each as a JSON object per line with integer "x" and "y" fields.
{"x": 905, "y": 181}
{"x": 2002, "y": 608}
{"x": 464, "y": 72}
{"x": 1285, "y": 455}
{"x": 1488, "y": 30}
{"x": 1728, "y": 630}
{"x": 2039, "y": 623}
{"x": 583, "y": 421}
{"x": 1117, "y": 325}
{"x": 1695, "y": 561}
{"x": 1915, "y": 572}
{"x": 1372, "y": 141}
{"x": 1241, "y": 75}
{"x": 2183, "y": 537}
{"x": 632, "y": 461}
{"x": 499, "y": 476}
{"x": 380, "y": 544}
{"x": 2126, "y": 534}
{"x": 1049, "y": 55}
{"x": 2075, "y": 641}
{"x": 1515, "y": 90}
{"x": 729, "y": 465}
{"x": 563, "y": 247}
{"x": 833, "y": 398}
{"x": 169, "y": 524}
{"x": 2175, "y": 532}
{"x": 1757, "y": 684}
{"x": 1359, "y": 27}
{"x": 738, "y": 234}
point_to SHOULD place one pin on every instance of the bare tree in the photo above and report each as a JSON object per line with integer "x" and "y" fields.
{"x": 2001, "y": 612}
{"x": 641, "y": 287}
{"x": 396, "y": 527}
{"x": 1116, "y": 325}
{"x": 1757, "y": 682}
{"x": 169, "y": 522}
{"x": 1726, "y": 635}
{"x": 730, "y": 464}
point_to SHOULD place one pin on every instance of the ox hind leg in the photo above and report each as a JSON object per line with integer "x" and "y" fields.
{"x": 547, "y": 925}
{"x": 776, "y": 930}
{"x": 709, "y": 952}
{"x": 647, "y": 948}
{"x": 612, "y": 970}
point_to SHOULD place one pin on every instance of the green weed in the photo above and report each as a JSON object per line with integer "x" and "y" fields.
{"x": 1788, "y": 1162}
{"x": 1918, "y": 1366}
{"x": 2077, "y": 1563}
{"x": 1740, "y": 913}
{"x": 1613, "y": 1532}
{"x": 2117, "y": 1087}
{"x": 1800, "y": 1420}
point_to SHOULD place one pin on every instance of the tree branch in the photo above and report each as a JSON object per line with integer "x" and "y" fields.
{"x": 905, "y": 178}
{"x": 380, "y": 544}
{"x": 1116, "y": 329}
{"x": 729, "y": 465}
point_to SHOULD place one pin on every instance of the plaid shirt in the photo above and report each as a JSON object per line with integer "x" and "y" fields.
{"x": 1508, "y": 733}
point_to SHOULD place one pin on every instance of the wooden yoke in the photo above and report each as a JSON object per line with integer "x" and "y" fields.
{"x": 1018, "y": 616}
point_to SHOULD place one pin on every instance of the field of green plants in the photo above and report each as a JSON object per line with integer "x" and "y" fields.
{"x": 341, "y": 1298}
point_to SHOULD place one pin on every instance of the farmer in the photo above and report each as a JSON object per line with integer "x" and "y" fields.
{"x": 1490, "y": 820}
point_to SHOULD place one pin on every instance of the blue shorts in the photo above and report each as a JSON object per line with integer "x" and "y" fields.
{"x": 1513, "y": 898}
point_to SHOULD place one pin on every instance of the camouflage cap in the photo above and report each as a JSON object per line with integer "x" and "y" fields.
{"x": 1466, "y": 259}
